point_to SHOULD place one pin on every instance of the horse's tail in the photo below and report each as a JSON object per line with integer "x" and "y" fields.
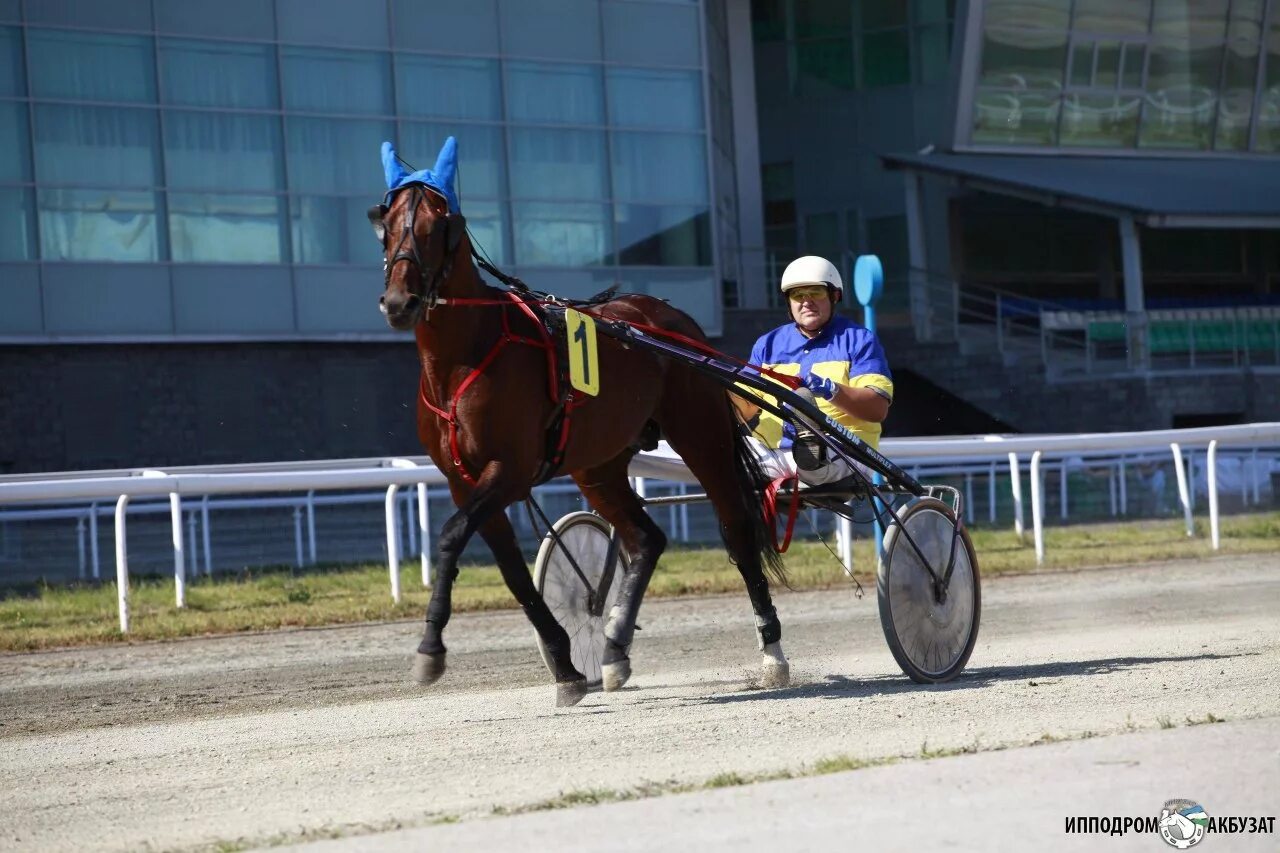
{"x": 758, "y": 531}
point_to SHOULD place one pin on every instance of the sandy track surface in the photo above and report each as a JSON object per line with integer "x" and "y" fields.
{"x": 251, "y": 738}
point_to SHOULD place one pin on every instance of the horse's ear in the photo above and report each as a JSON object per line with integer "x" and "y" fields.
{"x": 457, "y": 226}
{"x": 376, "y": 214}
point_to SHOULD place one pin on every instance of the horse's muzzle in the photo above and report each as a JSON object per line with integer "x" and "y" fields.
{"x": 401, "y": 313}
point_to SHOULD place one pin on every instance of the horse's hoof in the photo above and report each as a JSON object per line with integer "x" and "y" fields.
{"x": 570, "y": 693}
{"x": 615, "y": 675}
{"x": 427, "y": 669}
{"x": 774, "y": 675}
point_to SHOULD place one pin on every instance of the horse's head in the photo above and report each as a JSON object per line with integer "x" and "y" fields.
{"x": 420, "y": 238}
{"x": 421, "y": 231}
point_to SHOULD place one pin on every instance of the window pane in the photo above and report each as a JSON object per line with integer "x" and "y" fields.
{"x": 13, "y": 76}
{"x": 225, "y": 228}
{"x": 1235, "y": 104}
{"x": 96, "y": 146}
{"x": 1269, "y": 108}
{"x": 1101, "y": 119}
{"x": 1182, "y": 88}
{"x": 487, "y": 222}
{"x": 480, "y": 158}
{"x": 560, "y": 234}
{"x": 557, "y": 29}
{"x": 333, "y": 155}
{"x": 933, "y": 46}
{"x": 648, "y": 97}
{"x": 218, "y": 74}
{"x": 336, "y": 81}
{"x": 649, "y": 34}
{"x": 105, "y": 14}
{"x": 15, "y": 143}
{"x": 883, "y": 13}
{"x": 91, "y": 66}
{"x": 886, "y": 59}
{"x": 1082, "y": 63}
{"x": 824, "y": 19}
{"x": 1022, "y": 59}
{"x": 558, "y": 164}
{"x": 1128, "y": 17}
{"x": 660, "y": 167}
{"x": 663, "y": 236}
{"x": 1246, "y": 20}
{"x": 768, "y": 20}
{"x": 1107, "y": 74}
{"x": 470, "y": 27}
{"x": 223, "y": 151}
{"x": 1027, "y": 117}
{"x": 565, "y": 94}
{"x": 824, "y": 67}
{"x": 98, "y": 225}
{"x": 934, "y": 11}
{"x": 333, "y": 22}
{"x": 822, "y": 236}
{"x": 1043, "y": 15}
{"x": 1190, "y": 20}
{"x": 1133, "y": 63}
{"x": 231, "y": 19}
{"x": 18, "y": 236}
{"x": 328, "y": 230}
{"x": 447, "y": 87}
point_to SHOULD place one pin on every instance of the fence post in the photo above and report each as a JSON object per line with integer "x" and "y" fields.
{"x": 1124, "y": 488}
{"x": 175, "y": 527}
{"x": 1015, "y": 481}
{"x": 311, "y": 526}
{"x": 297, "y": 536}
{"x": 204, "y": 532}
{"x": 393, "y": 542}
{"x": 1062, "y": 491}
{"x": 991, "y": 493}
{"x": 1212, "y": 462}
{"x": 80, "y": 545}
{"x": 122, "y": 563}
{"x": 1037, "y": 515}
{"x": 93, "y": 541}
{"x": 424, "y": 534}
{"x": 1180, "y": 470}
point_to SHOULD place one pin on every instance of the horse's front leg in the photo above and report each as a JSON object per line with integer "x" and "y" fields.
{"x": 571, "y": 685}
{"x": 475, "y": 509}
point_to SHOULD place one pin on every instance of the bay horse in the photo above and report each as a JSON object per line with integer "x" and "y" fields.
{"x": 483, "y": 414}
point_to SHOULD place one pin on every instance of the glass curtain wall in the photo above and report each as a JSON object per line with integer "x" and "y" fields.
{"x": 254, "y": 139}
{"x": 1180, "y": 75}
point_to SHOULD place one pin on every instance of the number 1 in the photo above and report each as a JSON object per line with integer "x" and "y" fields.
{"x": 581, "y": 336}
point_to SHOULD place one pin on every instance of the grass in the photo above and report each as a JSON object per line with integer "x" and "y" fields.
{"x": 263, "y": 599}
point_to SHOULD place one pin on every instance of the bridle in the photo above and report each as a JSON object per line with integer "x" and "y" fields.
{"x": 443, "y": 239}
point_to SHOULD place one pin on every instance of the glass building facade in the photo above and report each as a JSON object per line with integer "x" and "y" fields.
{"x": 184, "y": 170}
{"x": 1147, "y": 75}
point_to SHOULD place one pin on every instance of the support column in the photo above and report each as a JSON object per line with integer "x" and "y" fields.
{"x": 753, "y": 284}
{"x": 1135, "y": 313}
{"x": 921, "y": 309}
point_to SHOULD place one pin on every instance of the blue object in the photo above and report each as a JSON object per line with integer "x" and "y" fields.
{"x": 868, "y": 283}
{"x": 440, "y": 178}
{"x": 821, "y": 386}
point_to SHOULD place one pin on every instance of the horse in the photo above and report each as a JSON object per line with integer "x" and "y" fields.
{"x": 484, "y": 409}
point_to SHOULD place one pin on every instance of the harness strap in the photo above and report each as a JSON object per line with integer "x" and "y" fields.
{"x": 771, "y": 508}
{"x": 559, "y": 423}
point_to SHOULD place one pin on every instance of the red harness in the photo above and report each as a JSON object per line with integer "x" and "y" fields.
{"x": 543, "y": 342}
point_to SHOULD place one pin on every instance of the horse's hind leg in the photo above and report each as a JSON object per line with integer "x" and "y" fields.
{"x": 701, "y": 428}
{"x": 607, "y": 490}
{"x": 571, "y": 685}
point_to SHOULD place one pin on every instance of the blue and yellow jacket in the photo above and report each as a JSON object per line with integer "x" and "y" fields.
{"x": 843, "y": 352}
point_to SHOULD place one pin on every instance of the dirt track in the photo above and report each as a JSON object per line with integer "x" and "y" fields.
{"x": 188, "y": 743}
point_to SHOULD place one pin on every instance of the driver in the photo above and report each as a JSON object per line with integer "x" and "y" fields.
{"x": 841, "y": 362}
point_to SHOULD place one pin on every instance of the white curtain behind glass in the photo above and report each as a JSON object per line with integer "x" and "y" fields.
{"x": 96, "y": 146}
{"x": 223, "y": 151}
{"x": 215, "y": 74}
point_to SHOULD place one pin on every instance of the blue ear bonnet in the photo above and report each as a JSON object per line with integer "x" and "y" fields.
{"x": 439, "y": 179}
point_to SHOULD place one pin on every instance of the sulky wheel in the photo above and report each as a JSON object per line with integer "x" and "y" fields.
{"x": 931, "y": 639}
{"x": 587, "y": 539}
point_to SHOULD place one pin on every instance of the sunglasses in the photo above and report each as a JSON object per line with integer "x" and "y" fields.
{"x": 800, "y": 294}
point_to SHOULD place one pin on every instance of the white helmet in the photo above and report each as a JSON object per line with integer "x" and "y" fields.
{"x": 811, "y": 269}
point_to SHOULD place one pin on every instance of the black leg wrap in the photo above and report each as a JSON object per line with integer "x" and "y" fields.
{"x": 768, "y": 627}
{"x": 432, "y": 641}
{"x": 613, "y": 652}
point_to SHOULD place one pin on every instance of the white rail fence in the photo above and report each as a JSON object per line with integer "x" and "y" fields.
{"x": 936, "y": 457}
